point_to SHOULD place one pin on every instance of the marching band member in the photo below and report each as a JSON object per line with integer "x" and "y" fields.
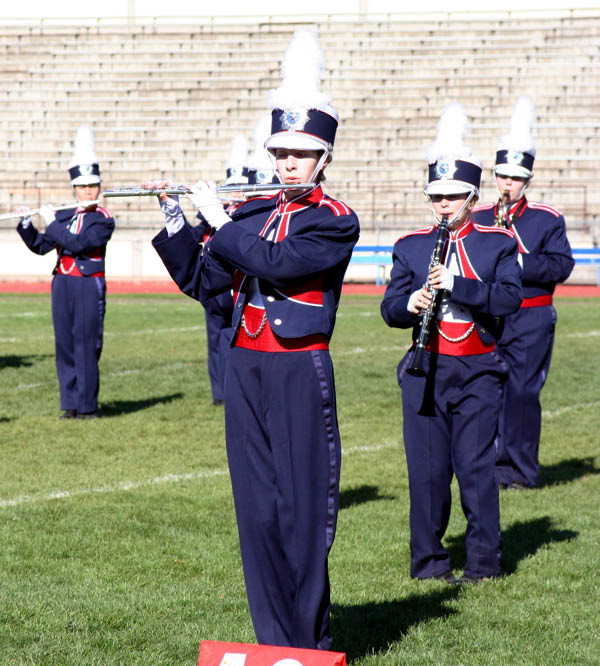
{"x": 79, "y": 235}
{"x": 451, "y": 413}
{"x": 285, "y": 257}
{"x": 218, "y": 309}
{"x": 528, "y": 336}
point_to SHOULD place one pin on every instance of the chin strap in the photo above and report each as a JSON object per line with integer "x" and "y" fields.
{"x": 458, "y": 214}
{"x": 319, "y": 166}
{"x": 326, "y": 153}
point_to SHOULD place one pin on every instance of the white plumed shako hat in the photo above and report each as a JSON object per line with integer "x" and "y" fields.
{"x": 516, "y": 150}
{"x": 83, "y": 167}
{"x": 453, "y": 169}
{"x": 237, "y": 167}
{"x": 302, "y": 116}
{"x": 260, "y": 166}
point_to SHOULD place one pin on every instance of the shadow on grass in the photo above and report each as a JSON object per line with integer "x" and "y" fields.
{"x": 519, "y": 541}
{"x": 16, "y": 361}
{"x": 524, "y": 538}
{"x": 566, "y": 471}
{"x": 120, "y": 407}
{"x": 370, "y": 628}
{"x": 360, "y": 495}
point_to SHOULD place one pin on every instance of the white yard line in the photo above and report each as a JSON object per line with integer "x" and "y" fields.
{"x": 145, "y": 483}
{"x": 153, "y": 331}
{"x": 369, "y": 350}
{"x": 569, "y": 408}
{"x": 584, "y": 334}
{"x": 117, "y": 373}
{"x": 116, "y": 334}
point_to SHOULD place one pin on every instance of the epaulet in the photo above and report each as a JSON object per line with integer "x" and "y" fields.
{"x": 338, "y": 207}
{"x": 493, "y": 230}
{"x": 418, "y": 232}
{"x": 483, "y": 207}
{"x": 104, "y": 211}
{"x": 544, "y": 207}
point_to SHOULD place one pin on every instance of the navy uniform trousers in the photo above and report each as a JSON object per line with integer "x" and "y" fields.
{"x": 451, "y": 425}
{"x": 526, "y": 344}
{"x": 285, "y": 469}
{"x": 78, "y": 307}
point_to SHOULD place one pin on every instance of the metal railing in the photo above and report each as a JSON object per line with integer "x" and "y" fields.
{"x": 326, "y": 18}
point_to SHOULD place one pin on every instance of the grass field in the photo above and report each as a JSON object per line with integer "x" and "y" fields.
{"x": 118, "y": 539}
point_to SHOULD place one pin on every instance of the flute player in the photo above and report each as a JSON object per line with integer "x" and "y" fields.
{"x": 79, "y": 235}
{"x": 285, "y": 257}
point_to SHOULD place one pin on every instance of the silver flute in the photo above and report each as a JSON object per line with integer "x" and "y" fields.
{"x": 182, "y": 190}
{"x": 36, "y": 211}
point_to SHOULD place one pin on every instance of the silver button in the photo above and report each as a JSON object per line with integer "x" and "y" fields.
{"x": 277, "y": 322}
{"x": 270, "y": 298}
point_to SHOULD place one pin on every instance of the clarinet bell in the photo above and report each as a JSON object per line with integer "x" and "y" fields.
{"x": 417, "y": 367}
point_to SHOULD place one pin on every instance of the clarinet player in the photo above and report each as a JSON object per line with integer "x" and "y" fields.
{"x": 451, "y": 405}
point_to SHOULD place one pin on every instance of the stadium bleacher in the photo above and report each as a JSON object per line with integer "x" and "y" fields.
{"x": 166, "y": 99}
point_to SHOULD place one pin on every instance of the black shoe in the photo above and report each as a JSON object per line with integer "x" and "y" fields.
{"x": 89, "y": 415}
{"x": 68, "y": 414}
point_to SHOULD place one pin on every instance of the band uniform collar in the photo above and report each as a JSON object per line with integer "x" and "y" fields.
{"x": 303, "y": 200}
{"x": 462, "y": 231}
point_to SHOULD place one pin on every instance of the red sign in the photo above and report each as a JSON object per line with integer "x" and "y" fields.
{"x": 216, "y": 653}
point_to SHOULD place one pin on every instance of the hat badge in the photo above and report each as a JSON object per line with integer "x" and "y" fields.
{"x": 444, "y": 170}
{"x": 514, "y": 157}
{"x": 293, "y": 121}
{"x": 86, "y": 169}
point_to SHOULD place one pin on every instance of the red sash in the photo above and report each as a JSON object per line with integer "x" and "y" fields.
{"x": 472, "y": 344}
{"x": 67, "y": 266}
{"x": 267, "y": 341}
{"x": 537, "y": 301}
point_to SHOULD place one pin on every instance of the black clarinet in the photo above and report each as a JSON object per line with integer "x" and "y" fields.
{"x": 417, "y": 368}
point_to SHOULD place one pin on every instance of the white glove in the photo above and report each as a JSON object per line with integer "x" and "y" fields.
{"x": 26, "y": 219}
{"x": 520, "y": 259}
{"x": 47, "y": 212}
{"x": 447, "y": 281}
{"x": 174, "y": 220}
{"x": 410, "y": 306}
{"x": 204, "y": 196}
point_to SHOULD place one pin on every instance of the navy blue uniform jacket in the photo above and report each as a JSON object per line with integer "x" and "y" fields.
{"x": 541, "y": 233}
{"x": 300, "y": 274}
{"x": 81, "y": 235}
{"x": 489, "y": 283}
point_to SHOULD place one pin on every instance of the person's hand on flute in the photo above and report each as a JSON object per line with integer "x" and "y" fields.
{"x": 169, "y": 203}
